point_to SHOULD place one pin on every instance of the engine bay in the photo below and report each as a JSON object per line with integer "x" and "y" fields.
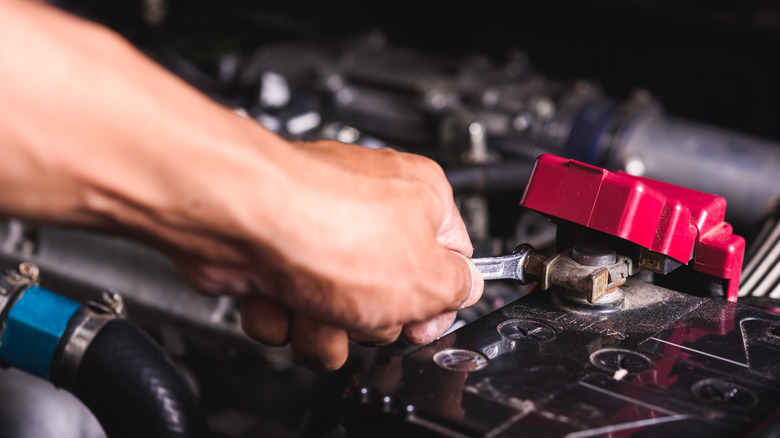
{"x": 683, "y": 93}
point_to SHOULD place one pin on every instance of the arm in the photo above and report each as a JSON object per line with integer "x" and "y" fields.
{"x": 323, "y": 241}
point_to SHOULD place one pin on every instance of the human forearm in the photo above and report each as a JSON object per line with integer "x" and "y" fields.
{"x": 90, "y": 126}
{"x": 324, "y": 241}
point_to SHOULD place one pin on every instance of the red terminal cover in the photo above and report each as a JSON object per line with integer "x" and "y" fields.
{"x": 681, "y": 223}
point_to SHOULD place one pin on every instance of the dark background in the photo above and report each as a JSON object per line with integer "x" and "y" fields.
{"x": 711, "y": 61}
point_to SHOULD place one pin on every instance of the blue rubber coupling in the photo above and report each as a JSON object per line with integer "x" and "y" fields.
{"x": 33, "y": 329}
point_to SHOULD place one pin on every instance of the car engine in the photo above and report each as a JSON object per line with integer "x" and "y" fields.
{"x": 682, "y": 93}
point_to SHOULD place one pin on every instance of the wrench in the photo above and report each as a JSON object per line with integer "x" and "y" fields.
{"x": 508, "y": 267}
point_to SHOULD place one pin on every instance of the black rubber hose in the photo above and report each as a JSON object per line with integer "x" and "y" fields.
{"x": 517, "y": 147}
{"x": 133, "y": 389}
{"x": 511, "y": 175}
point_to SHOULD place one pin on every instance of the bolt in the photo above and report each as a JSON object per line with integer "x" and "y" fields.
{"x": 593, "y": 254}
{"x": 526, "y": 331}
{"x": 30, "y": 271}
{"x": 113, "y": 301}
{"x": 544, "y": 108}
{"x": 364, "y": 395}
{"x": 490, "y": 97}
{"x": 437, "y": 100}
{"x": 387, "y": 403}
{"x": 721, "y": 391}
{"x": 522, "y": 122}
{"x": 111, "y": 298}
{"x": 348, "y": 134}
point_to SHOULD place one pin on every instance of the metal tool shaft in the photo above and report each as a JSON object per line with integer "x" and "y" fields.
{"x": 508, "y": 267}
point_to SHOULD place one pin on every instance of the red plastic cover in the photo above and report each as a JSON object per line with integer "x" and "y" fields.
{"x": 682, "y": 223}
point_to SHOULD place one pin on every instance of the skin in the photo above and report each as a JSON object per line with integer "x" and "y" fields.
{"x": 324, "y": 242}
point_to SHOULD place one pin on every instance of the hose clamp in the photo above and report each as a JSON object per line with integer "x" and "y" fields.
{"x": 94, "y": 316}
{"x": 12, "y": 282}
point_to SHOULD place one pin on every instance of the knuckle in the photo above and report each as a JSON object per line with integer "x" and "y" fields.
{"x": 430, "y": 167}
{"x": 270, "y": 335}
{"x": 319, "y": 345}
{"x": 366, "y": 320}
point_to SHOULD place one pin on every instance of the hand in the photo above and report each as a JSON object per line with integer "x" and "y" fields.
{"x": 371, "y": 244}
{"x": 324, "y": 242}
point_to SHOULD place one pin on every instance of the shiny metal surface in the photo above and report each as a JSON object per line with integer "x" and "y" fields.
{"x": 33, "y": 407}
{"x": 68, "y": 362}
{"x": 509, "y": 267}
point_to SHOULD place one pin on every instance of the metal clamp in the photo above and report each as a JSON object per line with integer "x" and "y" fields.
{"x": 11, "y": 284}
{"x": 94, "y": 316}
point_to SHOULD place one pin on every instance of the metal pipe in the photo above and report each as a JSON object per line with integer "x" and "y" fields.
{"x": 743, "y": 169}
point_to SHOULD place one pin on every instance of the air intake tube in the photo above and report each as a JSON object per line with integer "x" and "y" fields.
{"x": 110, "y": 364}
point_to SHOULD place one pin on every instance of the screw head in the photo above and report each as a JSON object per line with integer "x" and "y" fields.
{"x": 617, "y": 359}
{"x": 524, "y": 330}
{"x": 724, "y": 392}
{"x": 455, "y": 359}
{"x": 113, "y": 301}
{"x": 30, "y": 271}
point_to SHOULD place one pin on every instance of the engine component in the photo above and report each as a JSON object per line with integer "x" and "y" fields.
{"x": 664, "y": 220}
{"x": 604, "y": 353}
{"x": 33, "y": 407}
{"x": 127, "y": 382}
{"x": 481, "y": 113}
{"x": 741, "y": 168}
{"x": 512, "y": 267}
{"x": 113, "y": 367}
{"x": 659, "y": 227}
{"x": 484, "y": 119}
{"x": 761, "y": 275}
{"x": 586, "y": 269}
{"x": 34, "y": 321}
{"x": 668, "y": 364}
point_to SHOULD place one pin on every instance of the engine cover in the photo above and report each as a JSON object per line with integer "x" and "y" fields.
{"x": 668, "y": 365}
